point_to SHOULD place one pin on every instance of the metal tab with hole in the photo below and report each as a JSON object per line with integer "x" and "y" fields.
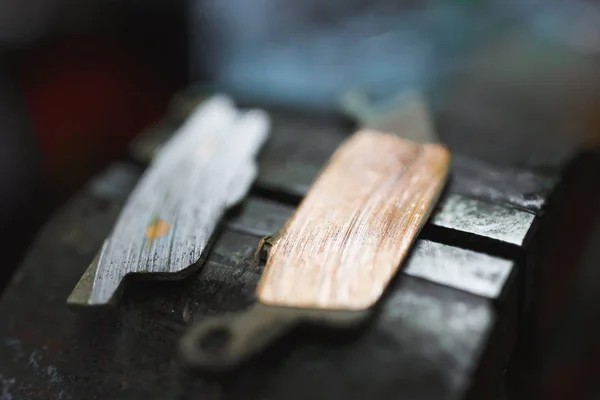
{"x": 169, "y": 219}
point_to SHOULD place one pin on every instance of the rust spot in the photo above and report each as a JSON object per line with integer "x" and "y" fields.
{"x": 157, "y": 229}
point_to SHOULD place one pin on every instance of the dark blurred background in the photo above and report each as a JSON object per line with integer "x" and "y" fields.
{"x": 79, "y": 79}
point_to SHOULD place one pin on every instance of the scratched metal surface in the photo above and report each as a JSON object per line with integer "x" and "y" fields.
{"x": 477, "y": 217}
{"x": 511, "y": 187}
{"x": 339, "y": 250}
{"x": 166, "y": 224}
{"x": 427, "y": 341}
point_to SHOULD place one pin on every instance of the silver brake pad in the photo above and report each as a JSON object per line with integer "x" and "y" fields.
{"x": 166, "y": 224}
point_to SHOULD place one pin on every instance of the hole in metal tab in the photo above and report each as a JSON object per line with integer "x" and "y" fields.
{"x": 215, "y": 340}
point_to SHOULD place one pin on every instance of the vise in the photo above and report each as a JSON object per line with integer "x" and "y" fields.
{"x": 445, "y": 330}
